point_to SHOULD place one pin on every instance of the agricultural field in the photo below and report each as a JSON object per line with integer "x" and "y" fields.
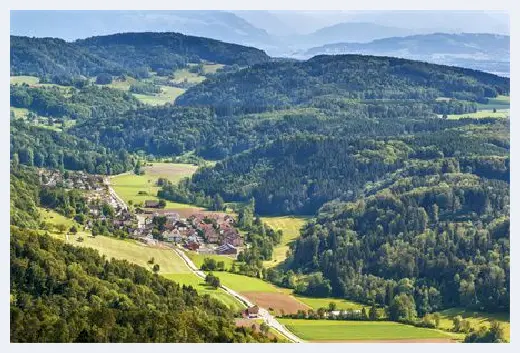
{"x": 198, "y": 259}
{"x": 128, "y": 185}
{"x": 19, "y": 112}
{"x": 291, "y": 230}
{"x": 168, "y": 95}
{"x": 500, "y": 113}
{"x": 184, "y": 75}
{"x": 476, "y": 318}
{"x": 360, "y": 331}
{"x": 212, "y": 68}
{"x": 200, "y": 286}
{"x": 20, "y": 80}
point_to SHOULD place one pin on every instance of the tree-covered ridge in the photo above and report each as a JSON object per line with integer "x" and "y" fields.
{"x": 156, "y": 50}
{"x": 40, "y": 147}
{"x": 61, "y": 293}
{"x": 284, "y": 84}
{"x": 24, "y": 192}
{"x": 83, "y": 103}
{"x": 298, "y": 174}
{"x": 442, "y": 240}
{"x": 129, "y": 53}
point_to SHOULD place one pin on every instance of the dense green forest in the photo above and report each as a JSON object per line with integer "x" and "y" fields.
{"x": 297, "y": 175}
{"x": 280, "y": 85}
{"x": 441, "y": 239}
{"x": 134, "y": 54}
{"x": 61, "y": 293}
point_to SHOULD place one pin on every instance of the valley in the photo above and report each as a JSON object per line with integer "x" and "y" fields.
{"x": 344, "y": 198}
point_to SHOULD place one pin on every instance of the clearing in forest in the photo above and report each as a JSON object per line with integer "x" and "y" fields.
{"x": 476, "y": 319}
{"x": 290, "y": 225}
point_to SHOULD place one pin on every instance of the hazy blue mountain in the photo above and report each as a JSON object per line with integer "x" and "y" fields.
{"x": 487, "y": 52}
{"x": 71, "y": 25}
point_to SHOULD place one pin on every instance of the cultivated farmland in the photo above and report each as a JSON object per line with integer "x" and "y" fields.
{"x": 335, "y": 331}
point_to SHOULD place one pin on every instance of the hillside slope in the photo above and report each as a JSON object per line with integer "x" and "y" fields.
{"x": 278, "y": 85}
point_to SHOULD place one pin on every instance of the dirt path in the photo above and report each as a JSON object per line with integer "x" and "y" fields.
{"x": 263, "y": 313}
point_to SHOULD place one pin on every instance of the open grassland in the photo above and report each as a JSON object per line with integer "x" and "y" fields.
{"x": 184, "y": 75}
{"x": 500, "y": 113}
{"x": 212, "y": 68}
{"x": 332, "y": 330}
{"x": 54, "y": 218}
{"x": 20, "y": 80}
{"x": 168, "y": 95}
{"x": 499, "y": 102}
{"x": 198, "y": 259}
{"x": 245, "y": 284}
{"x": 341, "y": 304}
{"x": 200, "y": 286}
{"x": 128, "y": 185}
{"x": 291, "y": 230}
{"x": 132, "y": 251}
{"x": 20, "y": 112}
{"x": 476, "y": 318}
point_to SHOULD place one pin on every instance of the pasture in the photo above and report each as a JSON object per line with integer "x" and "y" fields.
{"x": 198, "y": 259}
{"x": 476, "y": 319}
{"x": 128, "y": 185}
{"x": 20, "y": 80}
{"x": 200, "y": 286}
{"x": 168, "y": 95}
{"x": 132, "y": 251}
{"x": 291, "y": 230}
{"x": 335, "y": 331}
{"x": 487, "y": 113}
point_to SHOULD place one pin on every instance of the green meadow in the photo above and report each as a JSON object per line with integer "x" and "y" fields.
{"x": 291, "y": 230}
{"x": 335, "y": 330}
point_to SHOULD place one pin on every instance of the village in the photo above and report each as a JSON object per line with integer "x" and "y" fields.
{"x": 206, "y": 233}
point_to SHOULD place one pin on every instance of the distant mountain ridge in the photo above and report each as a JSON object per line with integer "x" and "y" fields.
{"x": 486, "y": 52}
{"x": 124, "y": 53}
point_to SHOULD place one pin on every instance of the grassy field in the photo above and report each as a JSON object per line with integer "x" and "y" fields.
{"x": 245, "y": 284}
{"x": 291, "y": 230}
{"x": 330, "y": 330}
{"x": 19, "y": 80}
{"x": 341, "y": 304}
{"x": 132, "y": 251}
{"x": 501, "y": 113}
{"x": 190, "y": 77}
{"x": 127, "y": 186}
{"x": 168, "y": 95}
{"x": 198, "y": 259}
{"x": 200, "y": 286}
{"x": 212, "y": 68}
{"x": 20, "y": 112}
{"x": 476, "y": 318}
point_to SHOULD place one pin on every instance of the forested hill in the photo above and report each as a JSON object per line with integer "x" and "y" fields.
{"x": 127, "y": 53}
{"x": 63, "y": 293}
{"x": 298, "y": 174}
{"x": 347, "y": 77}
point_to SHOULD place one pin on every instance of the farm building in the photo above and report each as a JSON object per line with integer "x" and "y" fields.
{"x": 251, "y": 312}
{"x": 151, "y": 203}
{"x": 226, "y": 249}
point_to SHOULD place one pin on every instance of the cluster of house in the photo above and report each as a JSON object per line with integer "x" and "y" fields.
{"x": 70, "y": 179}
{"x": 205, "y": 233}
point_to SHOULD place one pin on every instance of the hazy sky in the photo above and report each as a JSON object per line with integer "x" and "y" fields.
{"x": 79, "y": 24}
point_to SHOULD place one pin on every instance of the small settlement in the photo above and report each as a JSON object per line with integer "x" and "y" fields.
{"x": 206, "y": 233}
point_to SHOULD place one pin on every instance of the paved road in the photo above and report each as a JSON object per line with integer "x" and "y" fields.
{"x": 262, "y": 313}
{"x": 119, "y": 200}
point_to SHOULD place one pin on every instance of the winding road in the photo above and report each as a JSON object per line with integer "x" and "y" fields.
{"x": 269, "y": 319}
